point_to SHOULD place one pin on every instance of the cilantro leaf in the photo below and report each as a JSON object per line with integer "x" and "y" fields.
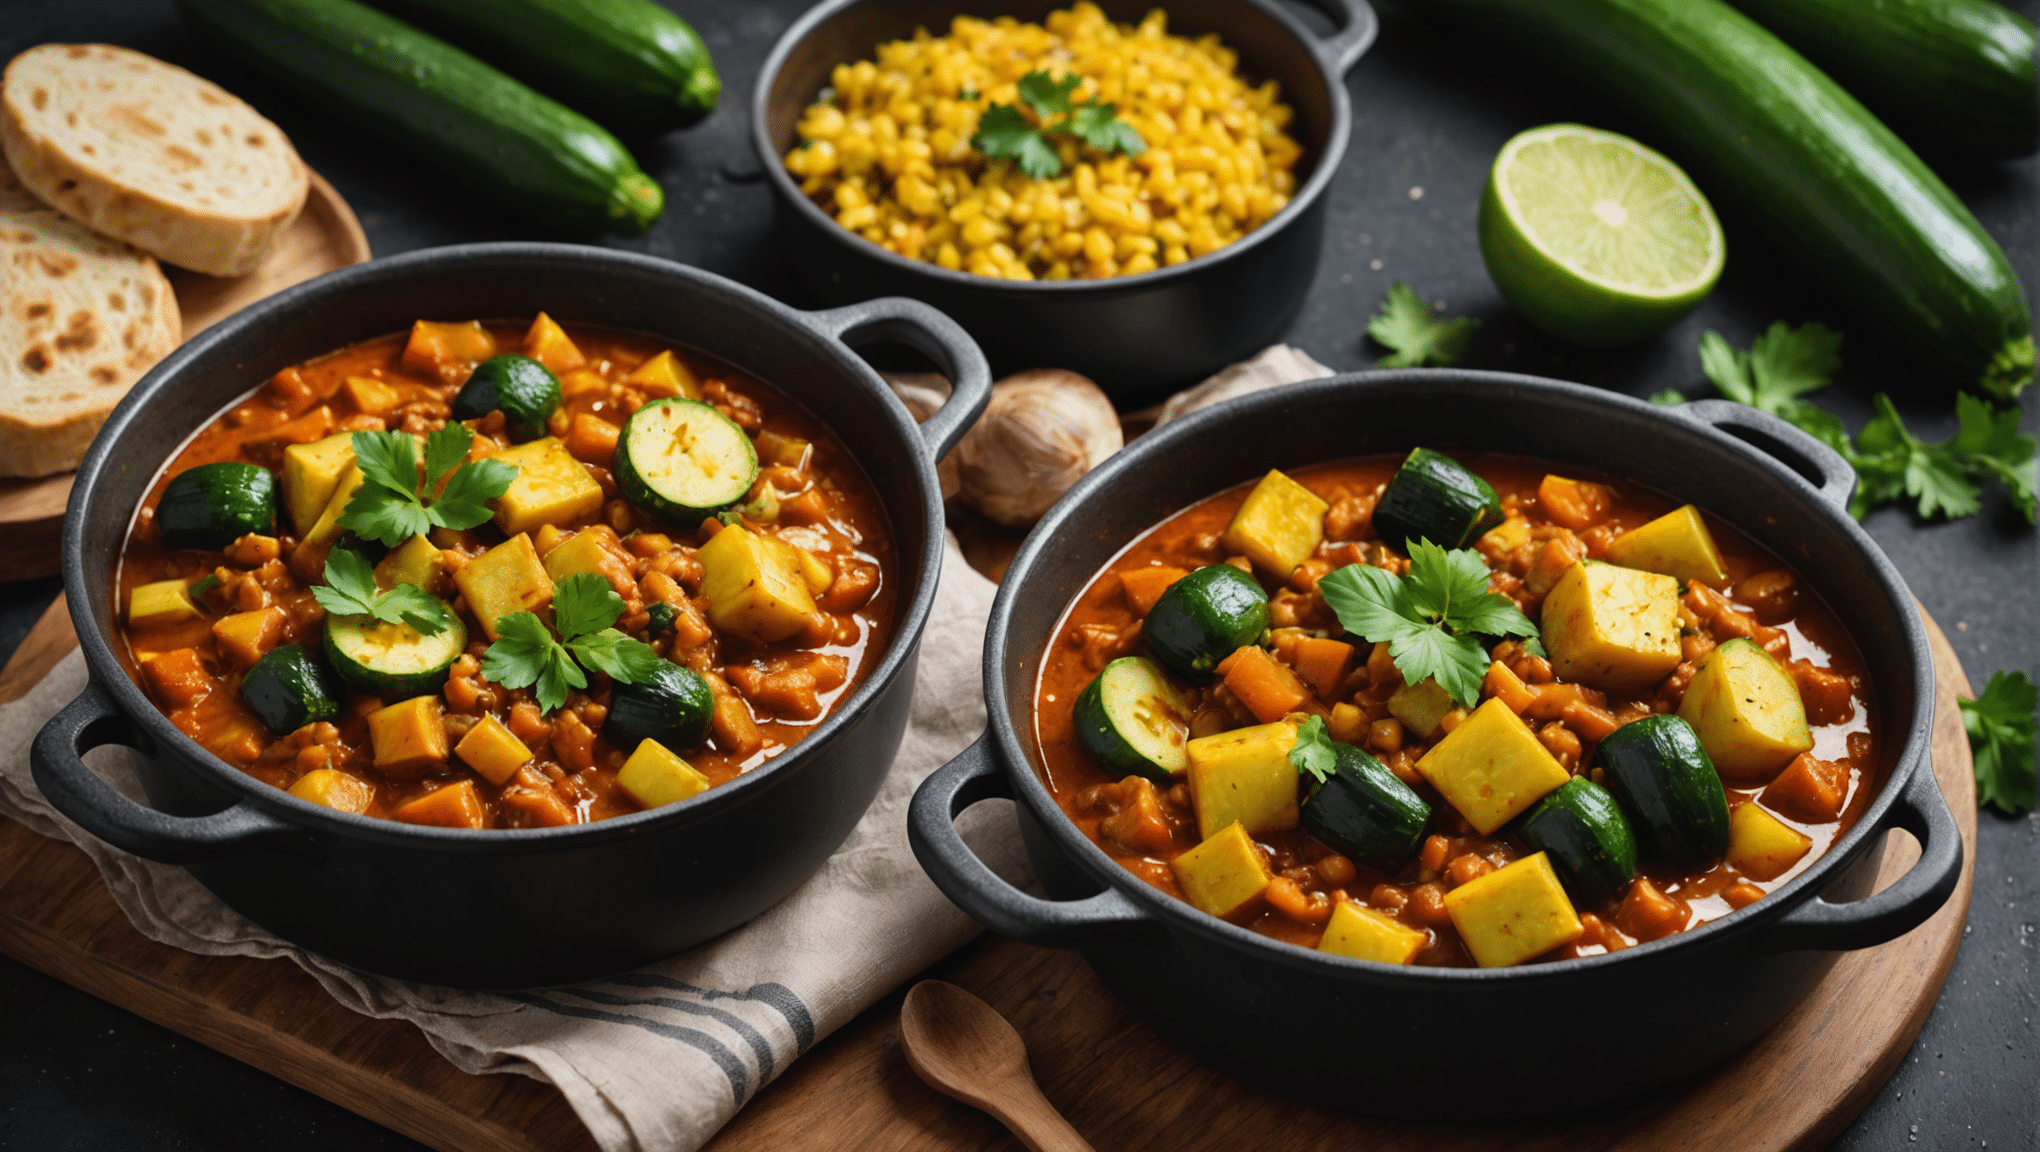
{"x": 464, "y": 502}
{"x": 1099, "y": 126}
{"x": 525, "y": 654}
{"x": 1046, "y": 94}
{"x": 1313, "y": 753}
{"x": 445, "y": 450}
{"x": 350, "y": 590}
{"x": 584, "y": 603}
{"x": 1416, "y": 337}
{"x": 584, "y": 608}
{"x": 1003, "y": 131}
{"x": 2000, "y": 724}
{"x": 1367, "y": 600}
{"x": 1669, "y": 398}
{"x": 388, "y": 507}
{"x": 615, "y": 655}
{"x": 1899, "y": 463}
{"x": 412, "y": 605}
{"x": 1431, "y": 617}
{"x": 1782, "y": 364}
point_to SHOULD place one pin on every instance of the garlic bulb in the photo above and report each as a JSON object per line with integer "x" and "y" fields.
{"x": 1041, "y": 432}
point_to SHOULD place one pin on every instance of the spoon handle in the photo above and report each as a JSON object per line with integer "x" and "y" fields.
{"x": 1035, "y": 1121}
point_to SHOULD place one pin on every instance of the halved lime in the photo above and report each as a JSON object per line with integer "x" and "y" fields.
{"x": 1595, "y": 238}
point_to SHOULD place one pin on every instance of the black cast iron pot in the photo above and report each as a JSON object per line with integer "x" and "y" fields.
{"x": 1166, "y": 328}
{"x": 485, "y": 909}
{"x": 1390, "y": 1040}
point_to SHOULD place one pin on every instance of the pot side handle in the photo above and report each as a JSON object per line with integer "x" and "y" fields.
{"x": 92, "y": 721}
{"x": 1899, "y": 909}
{"x": 931, "y": 828}
{"x": 938, "y": 337}
{"x": 1822, "y": 466}
{"x": 1358, "y": 26}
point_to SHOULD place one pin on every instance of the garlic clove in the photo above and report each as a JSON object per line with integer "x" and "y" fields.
{"x": 1041, "y": 432}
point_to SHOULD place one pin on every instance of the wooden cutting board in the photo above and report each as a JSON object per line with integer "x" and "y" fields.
{"x": 1122, "y": 1085}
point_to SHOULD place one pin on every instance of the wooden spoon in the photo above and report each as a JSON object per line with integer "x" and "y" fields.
{"x": 963, "y": 1048}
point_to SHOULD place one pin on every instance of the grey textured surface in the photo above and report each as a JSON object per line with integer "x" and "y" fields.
{"x": 1430, "y": 114}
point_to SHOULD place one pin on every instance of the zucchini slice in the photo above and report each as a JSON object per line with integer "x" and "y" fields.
{"x": 393, "y": 661}
{"x": 213, "y": 505}
{"x": 1202, "y": 618}
{"x": 524, "y": 390}
{"x": 1432, "y": 497}
{"x": 1589, "y": 841}
{"x": 1132, "y": 720}
{"x": 288, "y": 689}
{"x": 1365, "y": 812}
{"x": 681, "y": 461}
{"x": 673, "y": 708}
{"x": 1668, "y": 786}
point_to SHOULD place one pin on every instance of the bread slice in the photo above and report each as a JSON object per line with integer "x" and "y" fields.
{"x": 148, "y": 153}
{"x": 81, "y": 318}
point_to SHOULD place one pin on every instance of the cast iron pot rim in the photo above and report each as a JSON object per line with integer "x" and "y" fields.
{"x": 106, "y": 670}
{"x": 1010, "y": 755}
{"x": 1336, "y": 140}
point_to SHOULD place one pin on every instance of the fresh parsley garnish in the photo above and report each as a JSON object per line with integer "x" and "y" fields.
{"x": 1313, "y": 753}
{"x": 2000, "y": 724}
{"x": 1431, "y": 618}
{"x": 584, "y": 609}
{"x": 1416, "y": 336}
{"x": 1005, "y": 130}
{"x": 350, "y": 590}
{"x": 390, "y": 507}
{"x": 1782, "y": 365}
{"x": 200, "y": 589}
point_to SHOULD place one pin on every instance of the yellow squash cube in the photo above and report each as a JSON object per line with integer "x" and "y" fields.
{"x": 160, "y": 604}
{"x": 655, "y": 775}
{"x": 1278, "y": 527}
{"x": 493, "y": 751}
{"x": 1421, "y": 706}
{"x": 1513, "y": 914}
{"x": 1245, "y": 777}
{"x": 813, "y": 568}
{"x": 582, "y": 552}
{"x": 245, "y": 636}
{"x": 1746, "y": 711}
{"x": 547, "y": 343}
{"x": 1676, "y": 544}
{"x": 1506, "y": 537}
{"x": 1761, "y": 846}
{"x": 1224, "y": 874}
{"x": 408, "y": 737}
{"x": 415, "y": 562}
{"x": 372, "y": 396}
{"x": 551, "y": 487}
{"x": 334, "y": 789}
{"x": 504, "y": 581}
{"x": 754, "y": 587}
{"x": 665, "y": 375}
{"x": 1616, "y": 629}
{"x": 1491, "y": 767}
{"x": 310, "y": 472}
{"x": 326, "y": 528}
{"x": 1365, "y": 934}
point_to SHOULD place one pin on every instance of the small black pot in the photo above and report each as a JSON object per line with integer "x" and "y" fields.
{"x": 1137, "y": 336}
{"x": 506, "y": 908}
{"x": 1390, "y": 1040}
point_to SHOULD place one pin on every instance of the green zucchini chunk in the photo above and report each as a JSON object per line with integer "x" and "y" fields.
{"x": 1431, "y": 497}
{"x": 1582, "y": 829}
{"x": 393, "y": 661}
{"x": 1362, "y": 810}
{"x": 288, "y": 689}
{"x": 525, "y": 391}
{"x": 662, "y": 616}
{"x": 681, "y": 461}
{"x": 213, "y": 505}
{"x": 1668, "y": 786}
{"x": 673, "y": 707}
{"x": 1202, "y": 618}
{"x": 1132, "y": 720}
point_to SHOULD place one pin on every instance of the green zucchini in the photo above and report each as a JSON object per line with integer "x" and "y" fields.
{"x": 525, "y": 391}
{"x": 1362, "y": 810}
{"x": 1764, "y": 130}
{"x": 213, "y": 505}
{"x": 673, "y": 706}
{"x": 1666, "y": 784}
{"x": 1433, "y": 497}
{"x": 630, "y": 64}
{"x": 1132, "y": 720}
{"x": 393, "y": 661}
{"x": 1944, "y": 72}
{"x": 663, "y": 616}
{"x": 681, "y": 461}
{"x": 1589, "y": 841}
{"x": 1202, "y": 618}
{"x": 398, "y": 84}
{"x": 288, "y": 689}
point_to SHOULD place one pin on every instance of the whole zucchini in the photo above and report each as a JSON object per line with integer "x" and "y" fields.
{"x": 628, "y": 63}
{"x": 480, "y": 126}
{"x": 1956, "y": 72}
{"x": 1831, "y": 184}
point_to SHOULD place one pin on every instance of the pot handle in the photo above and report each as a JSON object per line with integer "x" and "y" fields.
{"x": 1899, "y": 909}
{"x": 937, "y": 336}
{"x": 1822, "y": 466}
{"x": 931, "y": 828}
{"x": 93, "y": 720}
{"x": 1358, "y": 26}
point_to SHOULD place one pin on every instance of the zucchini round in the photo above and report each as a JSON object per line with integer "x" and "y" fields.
{"x": 525, "y": 391}
{"x": 1432, "y": 497}
{"x": 1665, "y": 782}
{"x": 673, "y": 706}
{"x": 1589, "y": 841}
{"x": 288, "y": 689}
{"x": 681, "y": 461}
{"x": 213, "y": 505}
{"x": 1133, "y": 722}
{"x": 393, "y": 661}
{"x": 1202, "y": 618}
{"x": 1365, "y": 812}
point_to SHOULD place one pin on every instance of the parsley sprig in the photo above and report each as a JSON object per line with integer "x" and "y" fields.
{"x": 1417, "y": 336}
{"x": 1431, "y": 618}
{"x": 1313, "y": 753}
{"x": 390, "y": 505}
{"x": 1005, "y": 130}
{"x": 584, "y": 610}
{"x": 2000, "y": 724}
{"x": 350, "y": 590}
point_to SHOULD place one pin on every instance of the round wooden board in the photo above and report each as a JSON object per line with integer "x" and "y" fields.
{"x": 324, "y": 237}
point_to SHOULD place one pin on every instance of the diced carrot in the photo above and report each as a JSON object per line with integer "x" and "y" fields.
{"x": 532, "y": 794}
{"x": 1577, "y": 504}
{"x": 454, "y": 806}
{"x": 1509, "y": 688}
{"x": 1284, "y": 642}
{"x": 734, "y": 727}
{"x": 1143, "y": 586}
{"x": 313, "y": 425}
{"x": 448, "y": 351}
{"x": 548, "y": 344}
{"x": 1647, "y": 913}
{"x": 1224, "y": 666}
{"x": 1589, "y": 722}
{"x": 1559, "y": 553}
{"x": 1826, "y": 695}
{"x": 180, "y": 678}
{"x": 1139, "y": 825}
{"x": 592, "y": 439}
{"x": 1266, "y": 686}
{"x": 295, "y": 393}
{"x": 1552, "y": 700}
{"x": 1381, "y": 670}
{"x": 1323, "y": 664}
{"x": 1809, "y": 790}
{"x": 572, "y": 741}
